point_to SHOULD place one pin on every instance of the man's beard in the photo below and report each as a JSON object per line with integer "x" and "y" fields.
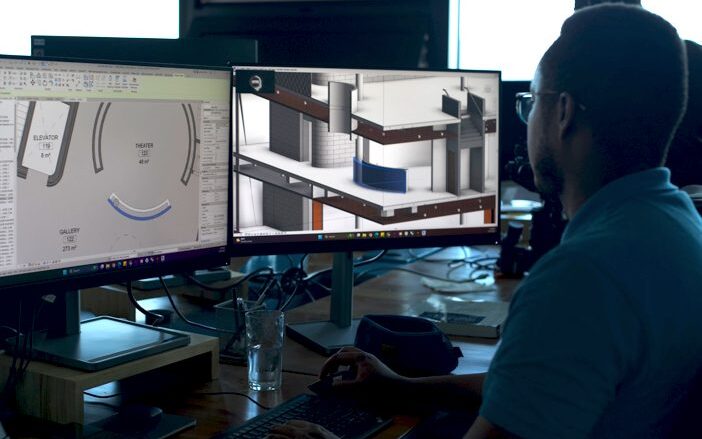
{"x": 548, "y": 177}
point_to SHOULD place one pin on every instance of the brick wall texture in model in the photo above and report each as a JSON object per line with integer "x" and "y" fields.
{"x": 283, "y": 210}
{"x": 331, "y": 150}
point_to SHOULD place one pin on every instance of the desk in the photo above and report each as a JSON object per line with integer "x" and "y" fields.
{"x": 395, "y": 292}
{"x": 216, "y": 413}
{"x": 399, "y": 292}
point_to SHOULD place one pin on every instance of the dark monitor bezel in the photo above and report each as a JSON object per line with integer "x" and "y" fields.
{"x": 198, "y": 259}
{"x": 282, "y": 27}
{"x": 147, "y": 50}
{"x": 345, "y": 245}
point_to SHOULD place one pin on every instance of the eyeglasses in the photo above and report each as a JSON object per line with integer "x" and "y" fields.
{"x": 525, "y": 103}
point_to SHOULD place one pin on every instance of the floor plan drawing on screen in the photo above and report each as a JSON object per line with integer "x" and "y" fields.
{"x": 46, "y": 136}
{"x": 91, "y": 163}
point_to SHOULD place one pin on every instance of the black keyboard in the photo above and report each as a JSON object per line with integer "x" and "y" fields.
{"x": 343, "y": 417}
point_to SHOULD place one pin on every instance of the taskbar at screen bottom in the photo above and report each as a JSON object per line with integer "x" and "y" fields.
{"x": 277, "y": 238}
{"x": 128, "y": 268}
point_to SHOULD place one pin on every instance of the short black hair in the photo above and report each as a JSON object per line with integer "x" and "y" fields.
{"x": 579, "y": 4}
{"x": 627, "y": 66}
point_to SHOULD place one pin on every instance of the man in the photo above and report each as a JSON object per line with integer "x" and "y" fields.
{"x": 604, "y": 336}
{"x": 579, "y": 4}
{"x": 685, "y": 153}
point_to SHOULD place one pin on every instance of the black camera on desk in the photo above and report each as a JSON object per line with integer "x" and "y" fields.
{"x": 547, "y": 222}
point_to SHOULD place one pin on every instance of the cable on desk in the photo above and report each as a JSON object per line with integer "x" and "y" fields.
{"x": 234, "y": 393}
{"x": 265, "y": 288}
{"x": 22, "y": 353}
{"x": 235, "y": 284}
{"x": 10, "y": 328}
{"x": 290, "y": 298}
{"x": 290, "y": 259}
{"x": 185, "y": 319}
{"x": 9, "y": 382}
{"x": 158, "y": 318}
{"x": 28, "y": 353}
{"x": 85, "y": 392}
{"x": 355, "y": 265}
{"x": 430, "y": 276}
{"x": 302, "y": 261}
{"x": 424, "y": 257}
{"x": 475, "y": 268}
{"x": 466, "y": 257}
{"x": 321, "y": 285}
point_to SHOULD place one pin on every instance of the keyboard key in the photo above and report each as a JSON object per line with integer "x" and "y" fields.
{"x": 342, "y": 417}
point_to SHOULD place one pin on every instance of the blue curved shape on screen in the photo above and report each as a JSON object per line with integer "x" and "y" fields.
{"x": 138, "y": 218}
{"x": 379, "y": 177}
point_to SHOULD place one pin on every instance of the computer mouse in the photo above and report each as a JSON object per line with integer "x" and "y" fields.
{"x": 325, "y": 386}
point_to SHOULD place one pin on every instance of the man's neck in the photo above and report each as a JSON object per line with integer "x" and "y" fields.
{"x": 576, "y": 193}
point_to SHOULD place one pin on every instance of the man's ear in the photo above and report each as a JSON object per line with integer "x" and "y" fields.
{"x": 566, "y": 114}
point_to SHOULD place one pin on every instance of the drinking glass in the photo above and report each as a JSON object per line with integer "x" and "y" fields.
{"x": 264, "y": 337}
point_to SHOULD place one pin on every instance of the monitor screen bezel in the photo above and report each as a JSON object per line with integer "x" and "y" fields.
{"x": 209, "y": 257}
{"x": 366, "y": 244}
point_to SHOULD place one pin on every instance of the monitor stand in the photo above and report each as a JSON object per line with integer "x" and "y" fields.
{"x": 329, "y": 336}
{"x": 97, "y": 343}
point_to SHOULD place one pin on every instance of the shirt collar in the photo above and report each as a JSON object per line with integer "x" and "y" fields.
{"x": 614, "y": 194}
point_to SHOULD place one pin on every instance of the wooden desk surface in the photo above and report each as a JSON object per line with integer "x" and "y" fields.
{"x": 216, "y": 413}
{"x": 395, "y": 292}
{"x": 399, "y": 292}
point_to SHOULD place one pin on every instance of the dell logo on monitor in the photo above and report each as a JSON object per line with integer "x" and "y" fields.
{"x": 256, "y": 82}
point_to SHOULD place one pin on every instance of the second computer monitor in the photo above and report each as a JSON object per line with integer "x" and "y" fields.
{"x": 350, "y": 159}
{"x": 111, "y": 172}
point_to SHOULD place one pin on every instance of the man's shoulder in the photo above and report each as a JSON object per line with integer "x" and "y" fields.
{"x": 567, "y": 275}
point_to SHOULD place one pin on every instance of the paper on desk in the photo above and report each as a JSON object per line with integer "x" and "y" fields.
{"x": 441, "y": 286}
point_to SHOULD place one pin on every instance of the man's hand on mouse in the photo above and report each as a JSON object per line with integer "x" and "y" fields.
{"x": 300, "y": 430}
{"x": 364, "y": 369}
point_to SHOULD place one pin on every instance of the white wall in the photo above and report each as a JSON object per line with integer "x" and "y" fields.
{"x": 101, "y": 18}
{"x": 512, "y": 35}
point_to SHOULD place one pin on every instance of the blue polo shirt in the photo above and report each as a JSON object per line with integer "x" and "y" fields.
{"x": 605, "y": 334}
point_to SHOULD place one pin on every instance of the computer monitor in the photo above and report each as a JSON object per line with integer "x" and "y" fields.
{"x": 337, "y": 160}
{"x": 110, "y": 172}
{"x": 191, "y": 51}
{"x": 331, "y": 33}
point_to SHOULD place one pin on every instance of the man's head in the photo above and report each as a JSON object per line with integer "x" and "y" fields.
{"x": 685, "y": 154}
{"x": 608, "y": 95}
{"x": 579, "y": 4}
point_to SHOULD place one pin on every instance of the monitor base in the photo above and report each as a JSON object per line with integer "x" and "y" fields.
{"x": 103, "y": 342}
{"x": 323, "y": 337}
{"x": 55, "y": 393}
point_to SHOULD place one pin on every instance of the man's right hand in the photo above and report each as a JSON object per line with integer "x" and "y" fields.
{"x": 364, "y": 368}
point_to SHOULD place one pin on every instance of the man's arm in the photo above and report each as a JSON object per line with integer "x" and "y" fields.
{"x": 571, "y": 338}
{"x": 448, "y": 390}
{"x": 373, "y": 379}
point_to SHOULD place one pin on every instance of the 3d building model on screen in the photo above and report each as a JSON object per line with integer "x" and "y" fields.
{"x": 331, "y": 150}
